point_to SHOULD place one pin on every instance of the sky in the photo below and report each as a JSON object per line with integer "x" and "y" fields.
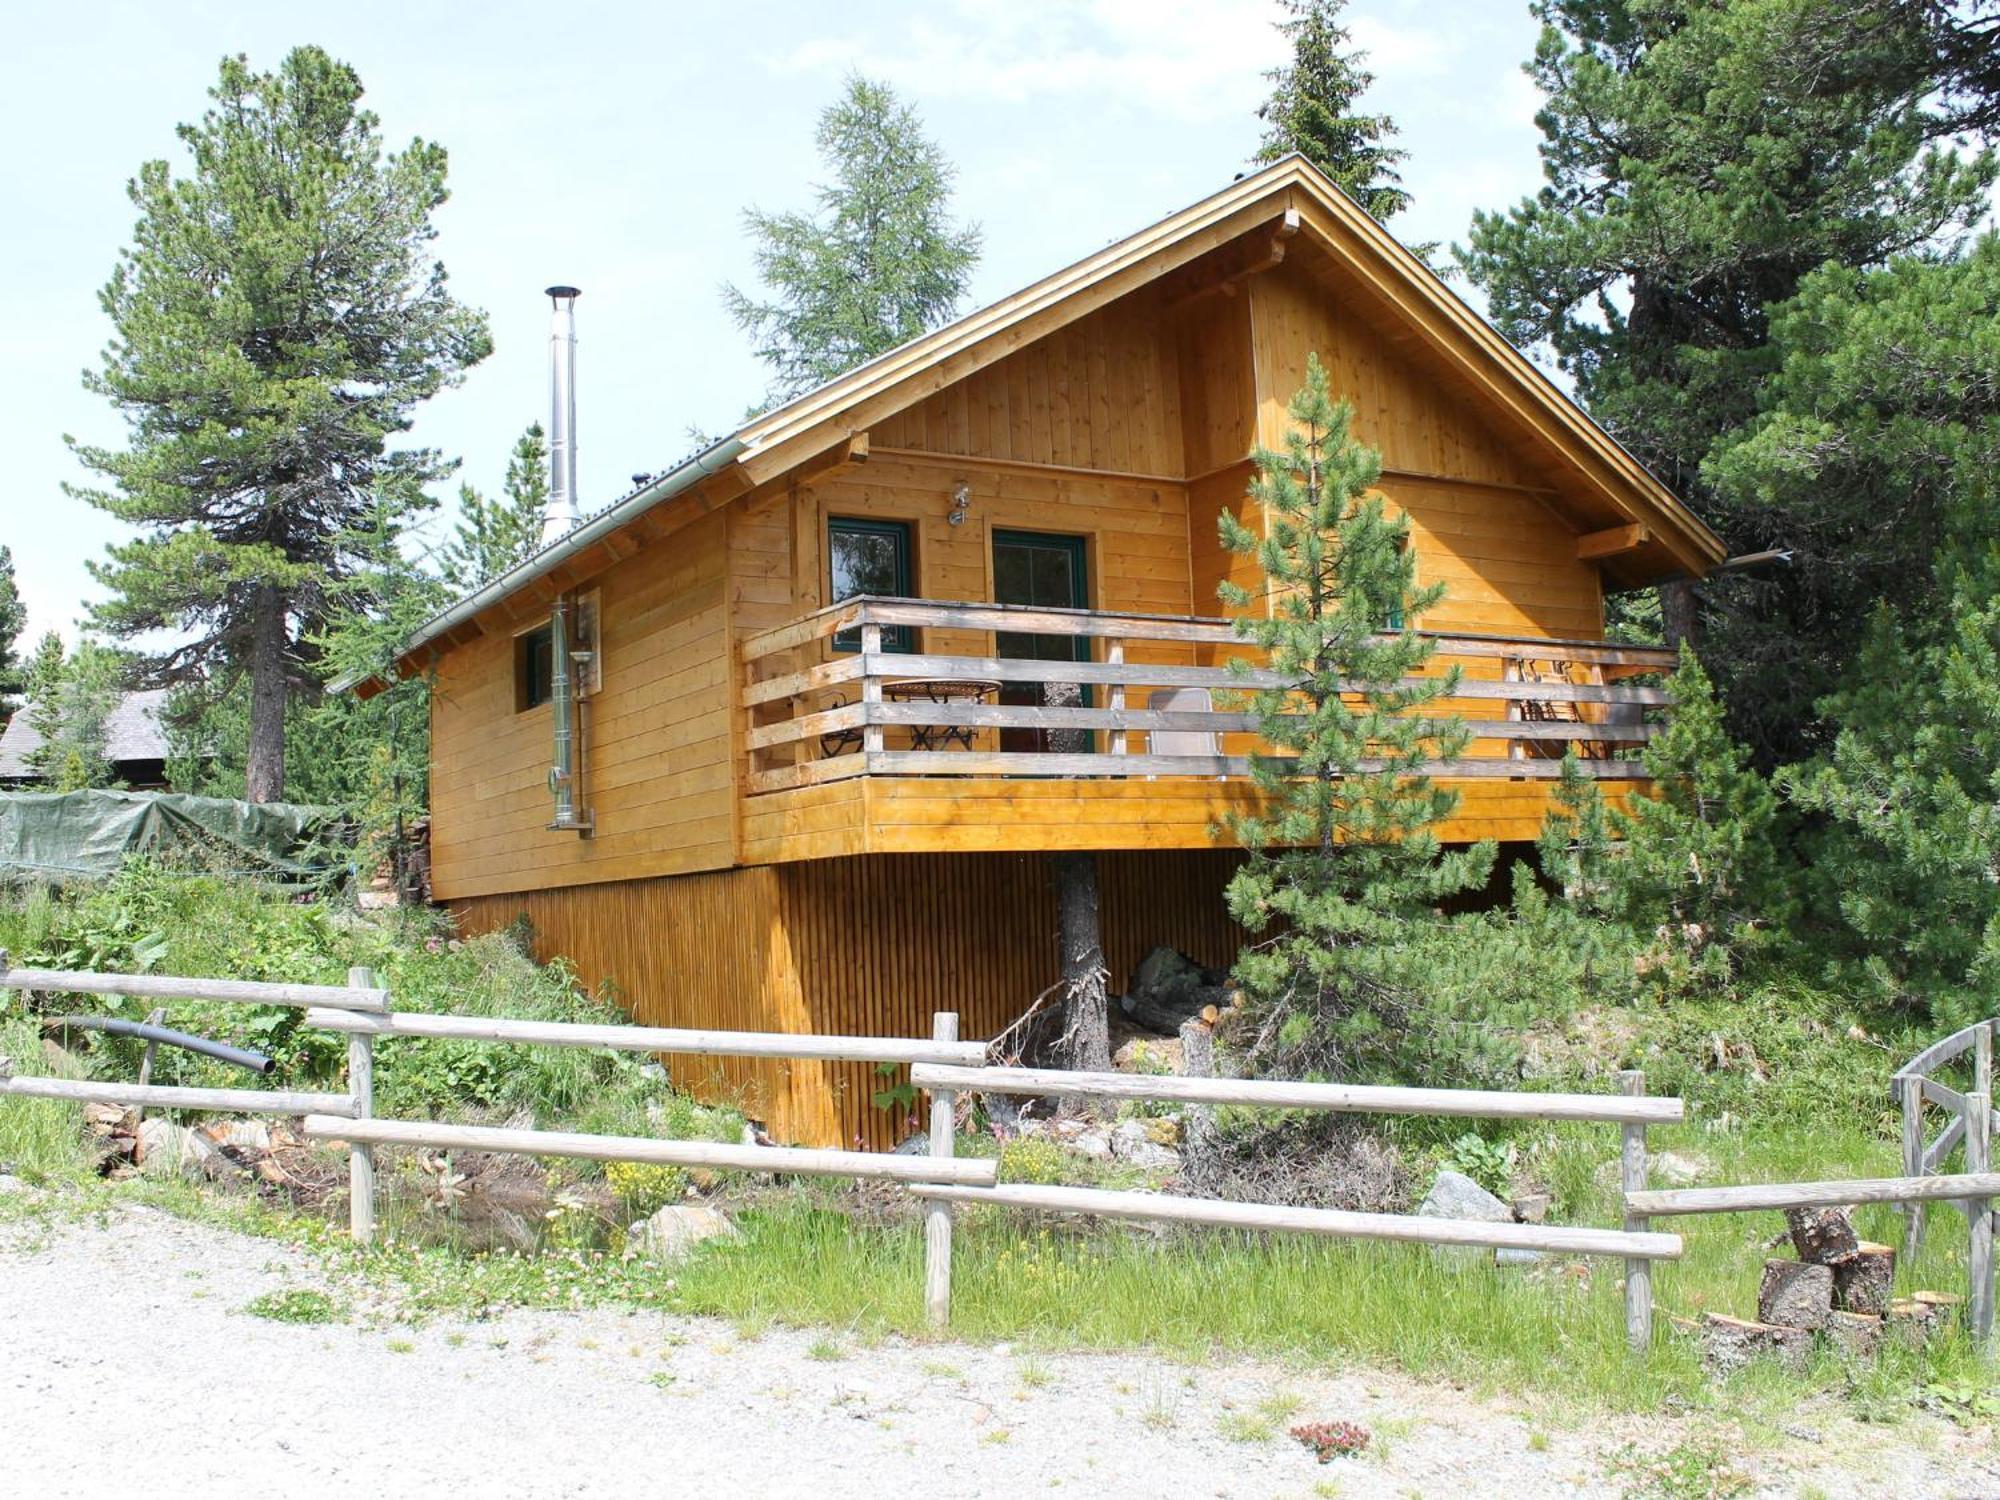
{"x": 615, "y": 147}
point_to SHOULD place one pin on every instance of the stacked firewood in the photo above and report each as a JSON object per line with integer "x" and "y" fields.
{"x": 1840, "y": 1287}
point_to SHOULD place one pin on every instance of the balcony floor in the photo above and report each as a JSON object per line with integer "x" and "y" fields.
{"x": 917, "y": 814}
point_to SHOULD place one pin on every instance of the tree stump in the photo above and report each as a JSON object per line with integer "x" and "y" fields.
{"x": 1863, "y": 1282}
{"x": 1855, "y": 1334}
{"x": 1731, "y": 1343}
{"x": 1795, "y": 1295}
{"x": 1823, "y": 1236}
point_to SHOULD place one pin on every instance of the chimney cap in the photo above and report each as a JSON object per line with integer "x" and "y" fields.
{"x": 560, "y": 292}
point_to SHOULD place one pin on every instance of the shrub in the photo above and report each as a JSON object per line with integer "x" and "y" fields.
{"x": 643, "y": 1187}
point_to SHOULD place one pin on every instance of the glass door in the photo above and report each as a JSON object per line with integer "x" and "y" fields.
{"x": 1046, "y": 572}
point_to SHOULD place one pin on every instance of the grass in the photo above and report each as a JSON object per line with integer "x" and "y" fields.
{"x": 299, "y": 1305}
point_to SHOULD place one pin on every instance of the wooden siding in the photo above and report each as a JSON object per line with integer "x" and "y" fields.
{"x": 657, "y": 770}
{"x": 864, "y": 946}
{"x": 1101, "y": 393}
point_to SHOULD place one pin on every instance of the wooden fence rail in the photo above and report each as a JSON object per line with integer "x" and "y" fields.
{"x": 1632, "y": 1110}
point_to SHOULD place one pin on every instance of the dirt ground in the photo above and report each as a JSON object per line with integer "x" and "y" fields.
{"x": 131, "y": 1367}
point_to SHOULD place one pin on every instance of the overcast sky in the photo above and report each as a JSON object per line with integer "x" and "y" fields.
{"x": 615, "y": 147}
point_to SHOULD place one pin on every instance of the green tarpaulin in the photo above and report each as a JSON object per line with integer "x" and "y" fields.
{"x": 84, "y": 835}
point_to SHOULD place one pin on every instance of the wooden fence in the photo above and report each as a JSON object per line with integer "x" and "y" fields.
{"x": 1632, "y": 1110}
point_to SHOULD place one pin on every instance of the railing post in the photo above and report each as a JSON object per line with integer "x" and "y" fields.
{"x": 361, "y": 1158}
{"x": 1114, "y": 654}
{"x": 1979, "y": 1254}
{"x": 937, "y": 1213}
{"x": 871, "y": 688}
{"x": 1911, "y": 1088}
{"x": 1632, "y": 1177}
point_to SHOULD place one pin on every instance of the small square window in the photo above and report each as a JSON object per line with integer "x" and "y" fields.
{"x": 534, "y": 668}
{"x": 870, "y": 557}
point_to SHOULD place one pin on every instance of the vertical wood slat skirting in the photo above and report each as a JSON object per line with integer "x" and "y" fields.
{"x": 868, "y": 945}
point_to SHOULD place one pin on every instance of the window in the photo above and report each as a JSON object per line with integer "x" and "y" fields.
{"x": 534, "y": 667}
{"x": 870, "y": 557}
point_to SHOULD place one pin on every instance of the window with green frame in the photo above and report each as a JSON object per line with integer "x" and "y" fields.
{"x": 870, "y": 557}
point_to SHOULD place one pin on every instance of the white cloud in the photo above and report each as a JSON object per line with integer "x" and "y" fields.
{"x": 1192, "y": 60}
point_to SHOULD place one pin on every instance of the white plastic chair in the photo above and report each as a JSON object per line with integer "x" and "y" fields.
{"x": 1181, "y": 741}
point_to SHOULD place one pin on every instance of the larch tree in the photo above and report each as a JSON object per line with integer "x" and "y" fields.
{"x": 1313, "y": 110}
{"x": 493, "y": 535}
{"x": 1701, "y": 159}
{"x": 1345, "y": 853}
{"x": 277, "y": 319}
{"x": 879, "y": 263}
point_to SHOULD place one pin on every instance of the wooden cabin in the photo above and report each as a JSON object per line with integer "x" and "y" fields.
{"x": 840, "y": 679}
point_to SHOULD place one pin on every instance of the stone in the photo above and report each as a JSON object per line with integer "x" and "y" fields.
{"x": 244, "y": 1135}
{"x": 676, "y": 1229}
{"x": 1728, "y": 1344}
{"x": 1865, "y": 1281}
{"x": 9, "y": 1183}
{"x": 1130, "y": 1141}
{"x": 165, "y": 1148}
{"x": 1507, "y": 1256}
{"x": 916, "y": 1144}
{"x": 1168, "y": 987}
{"x": 1795, "y": 1294}
{"x": 1678, "y": 1168}
{"x": 1824, "y": 1236}
{"x": 1453, "y": 1195}
{"x": 1532, "y": 1208}
{"x": 1857, "y": 1335}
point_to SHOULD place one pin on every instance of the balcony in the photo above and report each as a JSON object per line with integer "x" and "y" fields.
{"x": 1003, "y": 691}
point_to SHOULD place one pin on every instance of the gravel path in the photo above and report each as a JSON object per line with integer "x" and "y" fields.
{"x": 129, "y": 1367}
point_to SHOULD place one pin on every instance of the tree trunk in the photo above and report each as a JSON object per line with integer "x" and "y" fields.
{"x": 1086, "y": 1039}
{"x": 264, "y": 778}
{"x": 1677, "y": 613}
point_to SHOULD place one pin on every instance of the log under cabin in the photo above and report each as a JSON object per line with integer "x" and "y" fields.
{"x": 834, "y": 685}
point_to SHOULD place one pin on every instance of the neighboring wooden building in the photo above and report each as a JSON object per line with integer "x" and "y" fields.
{"x": 795, "y": 809}
{"x": 135, "y": 744}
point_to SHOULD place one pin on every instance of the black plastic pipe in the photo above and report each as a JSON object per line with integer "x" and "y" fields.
{"x": 239, "y": 1057}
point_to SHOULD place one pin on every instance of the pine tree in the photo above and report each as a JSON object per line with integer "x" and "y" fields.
{"x": 494, "y": 535}
{"x": 1702, "y": 158}
{"x": 71, "y": 699}
{"x": 878, "y": 265}
{"x": 13, "y": 620}
{"x": 1311, "y": 110}
{"x": 1345, "y": 855}
{"x": 278, "y": 318}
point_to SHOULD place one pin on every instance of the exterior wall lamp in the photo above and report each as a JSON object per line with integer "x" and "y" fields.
{"x": 961, "y": 502}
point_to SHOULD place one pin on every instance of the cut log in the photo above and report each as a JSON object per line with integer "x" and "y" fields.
{"x": 1863, "y": 1283}
{"x": 1731, "y": 1343}
{"x": 1857, "y": 1335}
{"x": 1795, "y": 1295}
{"x": 1823, "y": 1236}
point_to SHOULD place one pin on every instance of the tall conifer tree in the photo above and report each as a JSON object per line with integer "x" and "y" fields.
{"x": 278, "y": 317}
{"x": 1313, "y": 110}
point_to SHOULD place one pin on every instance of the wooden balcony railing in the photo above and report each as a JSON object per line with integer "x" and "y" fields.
{"x": 821, "y": 711}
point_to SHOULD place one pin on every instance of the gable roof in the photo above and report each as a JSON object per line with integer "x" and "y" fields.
{"x": 132, "y": 732}
{"x": 1517, "y": 395}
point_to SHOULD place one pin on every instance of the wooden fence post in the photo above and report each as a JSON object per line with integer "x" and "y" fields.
{"x": 1979, "y": 1255}
{"x": 937, "y": 1214}
{"x": 1632, "y": 1176}
{"x": 1912, "y": 1088}
{"x": 871, "y": 691}
{"x": 361, "y": 1158}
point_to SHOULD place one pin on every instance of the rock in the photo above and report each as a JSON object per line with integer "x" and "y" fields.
{"x": 9, "y": 1183}
{"x": 1162, "y": 1130}
{"x": 244, "y": 1135}
{"x": 1131, "y": 1141}
{"x": 1506, "y": 1256}
{"x": 1795, "y": 1294}
{"x": 676, "y": 1229}
{"x": 104, "y": 1119}
{"x": 918, "y": 1144}
{"x": 1824, "y": 1236}
{"x": 1679, "y": 1168}
{"x": 1857, "y": 1335}
{"x": 1865, "y": 1281}
{"x": 1168, "y": 987}
{"x": 164, "y": 1147}
{"x": 1453, "y": 1195}
{"x": 1730, "y": 1343}
{"x": 1532, "y": 1208}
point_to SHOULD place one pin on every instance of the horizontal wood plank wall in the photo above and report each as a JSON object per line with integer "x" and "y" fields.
{"x": 1099, "y": 394}
{"x": 657, "y": 768}
{"x": 862, "y": 946}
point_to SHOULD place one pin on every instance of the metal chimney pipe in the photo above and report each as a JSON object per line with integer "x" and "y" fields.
{"x": 561, "y": 515}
